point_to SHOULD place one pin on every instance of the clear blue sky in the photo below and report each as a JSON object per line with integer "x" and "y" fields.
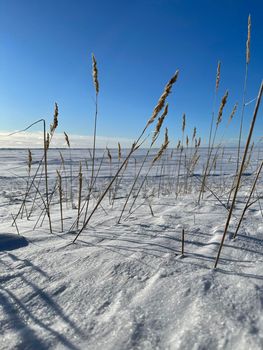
{"x": 45, "y": 56}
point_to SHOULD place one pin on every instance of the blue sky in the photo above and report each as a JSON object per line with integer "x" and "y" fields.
{"x": 45, "y": 56}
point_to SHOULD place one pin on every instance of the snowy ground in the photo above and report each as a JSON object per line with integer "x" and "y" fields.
{"x": 127, "y": 286}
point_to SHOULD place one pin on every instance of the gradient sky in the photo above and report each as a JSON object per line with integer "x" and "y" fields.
{"x": 45, "y": 56}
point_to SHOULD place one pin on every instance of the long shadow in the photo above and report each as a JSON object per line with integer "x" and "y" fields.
{"x": 23, "y": 328}
{"x": 51, "y": 304}
{"x": 241, "y": 274}
{"x": 39, "y": 293}
{"x": 25, "y": 332}
{"x": 26, "y": 262}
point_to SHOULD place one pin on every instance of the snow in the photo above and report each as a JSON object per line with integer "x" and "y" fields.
{"x": 127, "y": 286}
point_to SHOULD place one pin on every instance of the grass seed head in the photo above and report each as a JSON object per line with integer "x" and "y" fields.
{"x": 194, "y": 133}
{"x": 109, "y": 154}
{"x": 159, "y": 124}
{"x": 47, "y": 141}
{"x": 29, "y": 160}
{"x": 183, "y": 123}
{"x": 119, "y": 151}
{"x": 95, "y": 74}
{"x": 221, "y": 108}
{"x": 67, "y": 139}
{"x": 232, "y": 113}
{"x": 163, "y": 147}
{"x": 248, "y": 40}
{"x": 163, "y": 97}
{"x": 218, "y": 74}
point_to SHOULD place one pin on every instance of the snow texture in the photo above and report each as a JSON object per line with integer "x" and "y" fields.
{"x": 127, "y": 286}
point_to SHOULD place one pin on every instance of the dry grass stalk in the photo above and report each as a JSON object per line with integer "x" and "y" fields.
{"x": 80, "y": 193}
{"x": 154, "y": 138}
{"x": 182, "y": 252}
{"x": 157, "y": 157}
{"x": 240, "y": 171}
{"x": 60, "y": 198}
{"x": 134, "y": 147}
{"x": 65, "y": 174}
{"x": 71, "y": 170}
{"x": 96, "y": 85}
{"x": 29, "y": 164}
{"x": 244, "y": 90}
{"x": 211, "y": 147}
{"x": 180, "y": 157}
{"x": 248, "y": 199}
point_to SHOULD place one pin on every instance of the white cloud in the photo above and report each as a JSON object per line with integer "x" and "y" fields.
{"x": 35, "y": 140}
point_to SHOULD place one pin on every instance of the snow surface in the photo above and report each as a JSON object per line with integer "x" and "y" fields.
{"x": 127, "y": 286}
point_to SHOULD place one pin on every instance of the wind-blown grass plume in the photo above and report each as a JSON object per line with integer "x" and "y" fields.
{"x": 232, "y": 113}
{"x": 162, "y": 99}
{"x": 55, "y": 120}
{"x": 221, "y": 108}
{"x": 218, "y": 73}
{"x": 95, "y": 74}
{"x": 244, "y": 89}
{"x": 159, "y": 124}
{"x": 248, "y": 40}
{"x": 67, "y": 139}
{"x": 163, "y": 147}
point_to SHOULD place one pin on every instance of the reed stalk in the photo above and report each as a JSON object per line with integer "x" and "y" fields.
{"x": 240, "y": 171}
{"x": 249, "y": 198}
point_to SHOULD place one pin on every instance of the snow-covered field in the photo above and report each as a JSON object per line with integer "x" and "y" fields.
{"x": 127, "y": 286}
